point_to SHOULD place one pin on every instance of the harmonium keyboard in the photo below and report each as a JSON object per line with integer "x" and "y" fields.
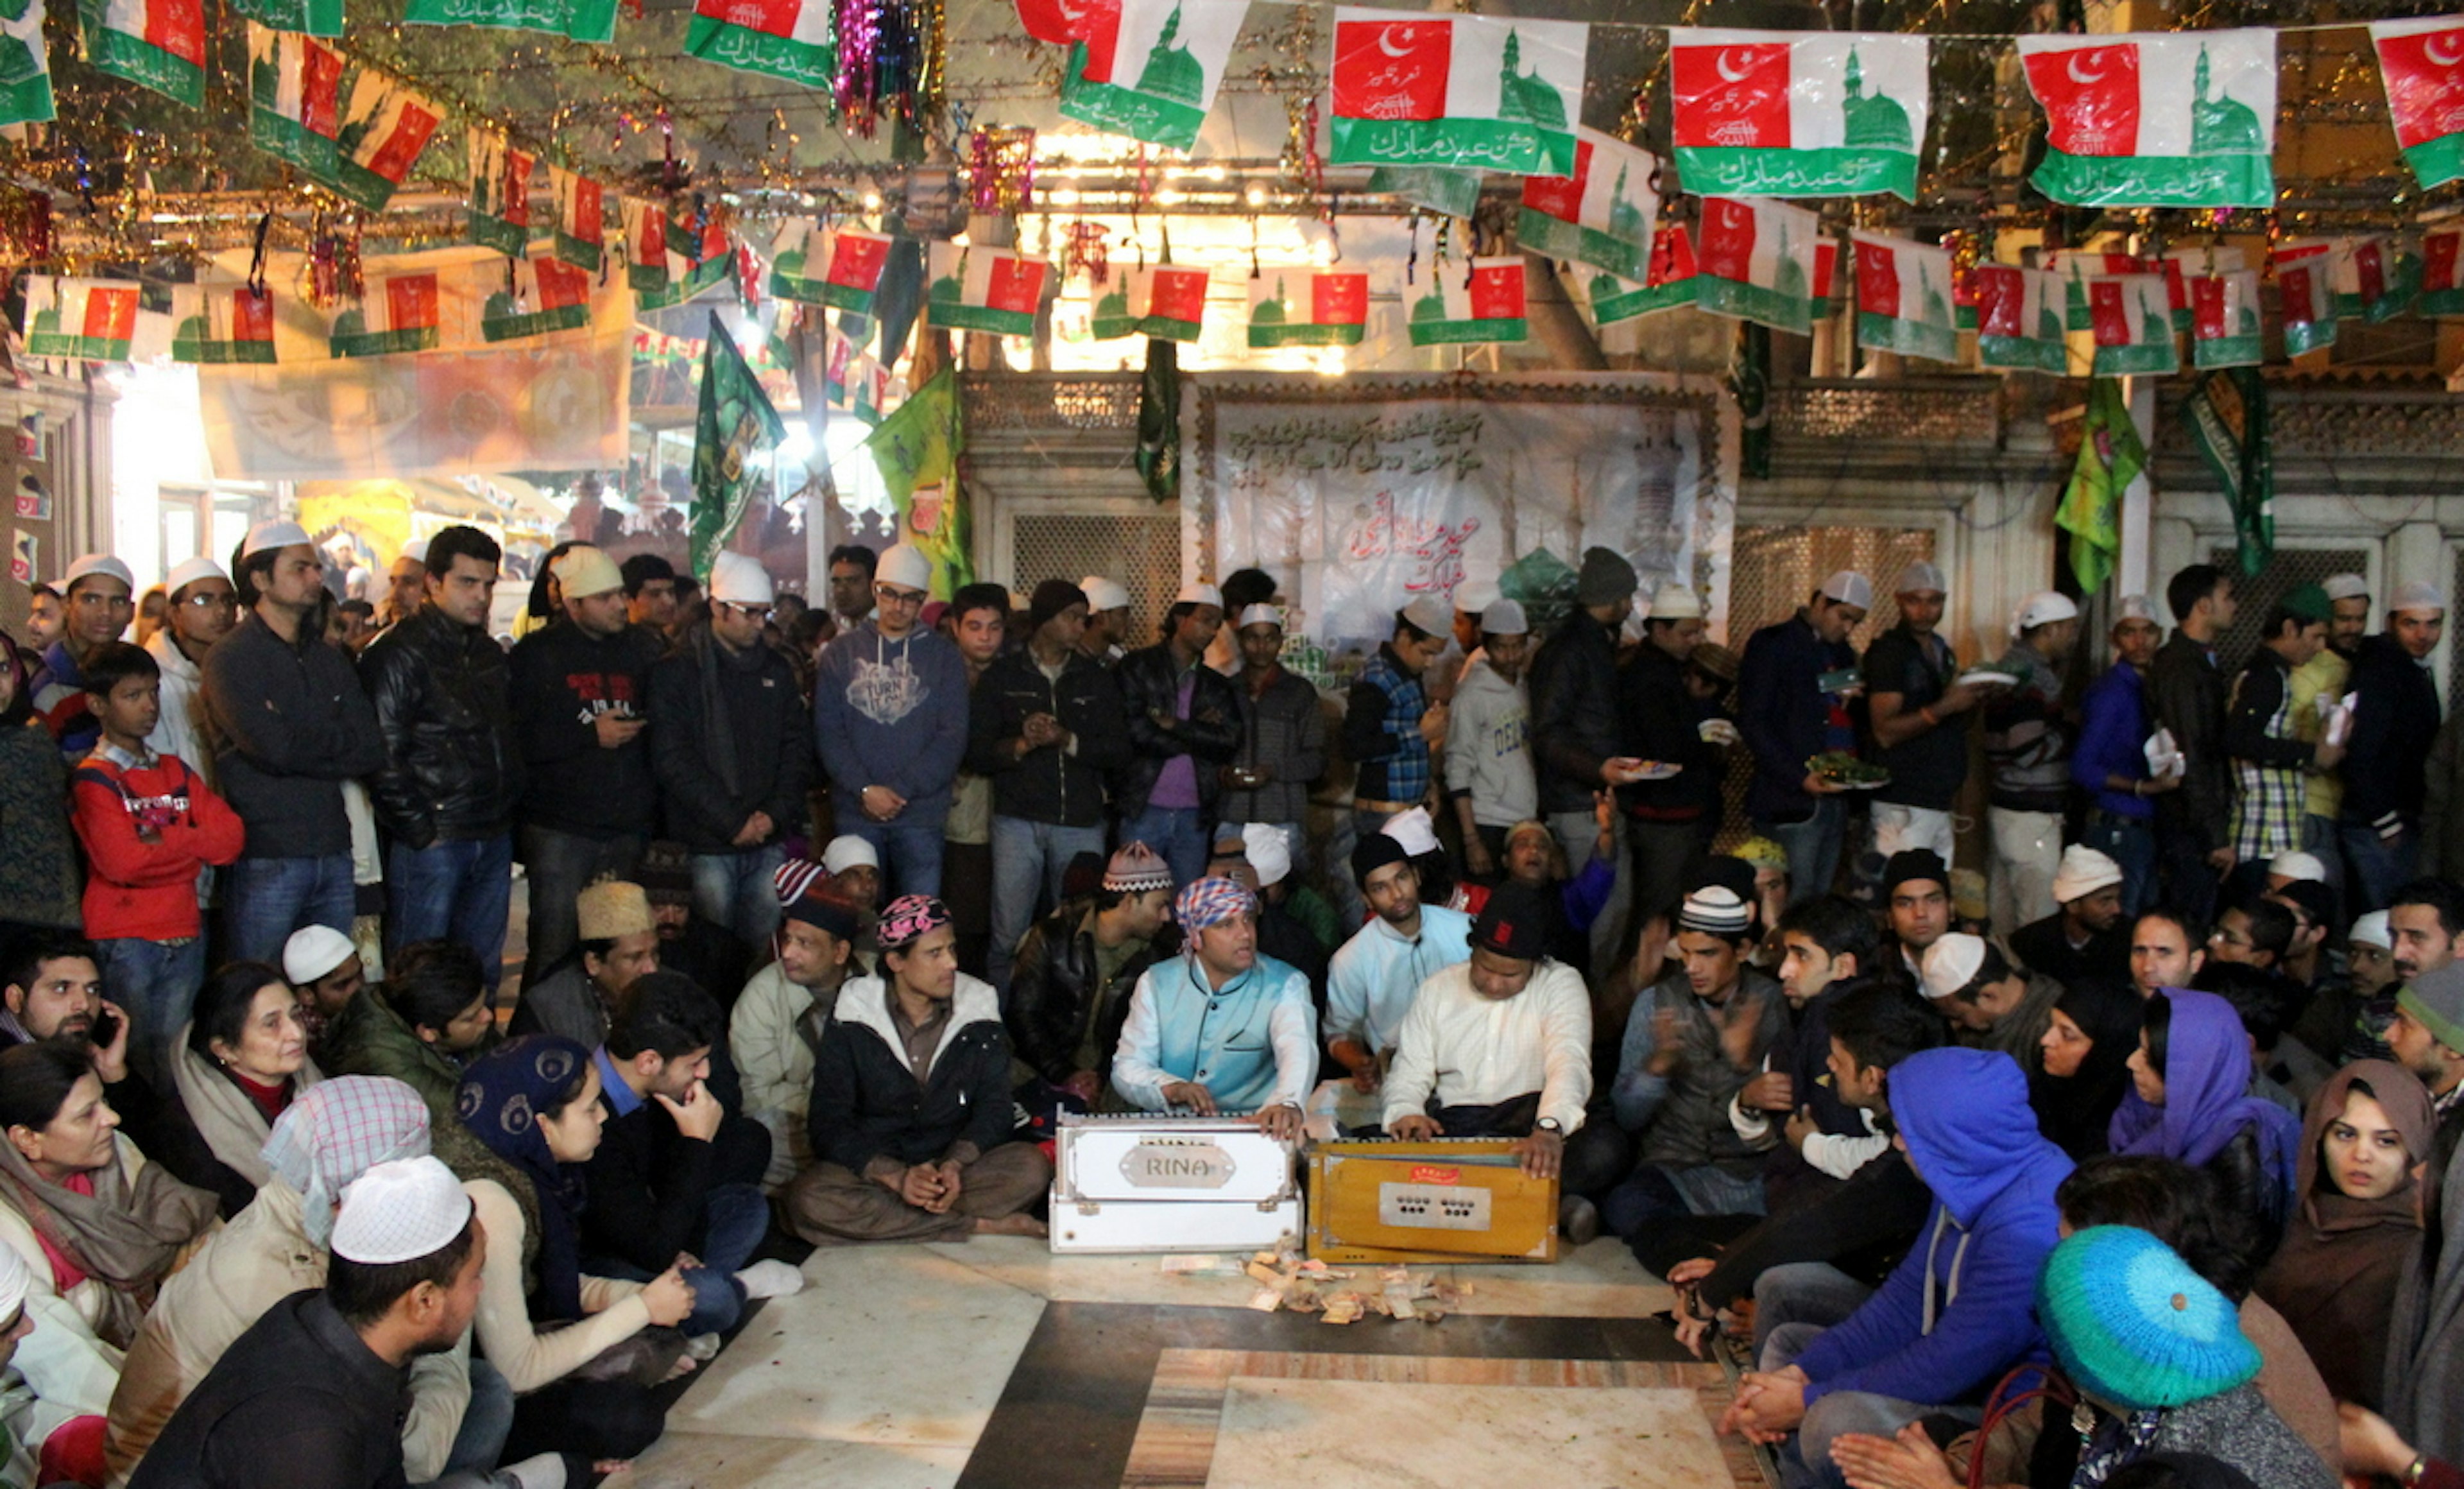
{"x": 1441, "y": 1200}
{"x": 1148, "y": 1182}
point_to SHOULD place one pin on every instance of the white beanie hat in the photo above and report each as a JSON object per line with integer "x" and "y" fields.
{"x": 401, "y": 1212}
{"x": 1413, "y": 829}
{"x": 2347, "y": 587}
{"x": 739, "y": 579}
{"x": 91, "y": 564}
{"x": 1268, "y": 849}
{"x": 2418, "y": 595}
{"x": 1847, "y": 587}
{"x": 277, "y": 535}
{"x": 1199, "y": 591}
{"x": 2083, "y": 871}
{"x": 847, "y": 851}
{"x": 1505, "y": 618}
{"x": 1474, "y": 596}
{"x": 1673, "y": 601}
{"x": 2133, "y": 607}
{"x": 1103, "y": 594}
{"x": 314, "y": 951}
{"x": 2042, "y": 608}
{"x": 2370, "y": 930}
{"x": 188, "y": 572}
{"x": 1261, "y": 615}
{"x": 1921, "y": 577}
{"x": 1951, "y": 963}
{"x": 2294, "y": 864}
{"x": 1429, "y": 615}
{"x": 904, "y": 565}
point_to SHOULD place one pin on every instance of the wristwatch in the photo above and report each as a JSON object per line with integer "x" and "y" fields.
{"x": 1551, "y": 1125}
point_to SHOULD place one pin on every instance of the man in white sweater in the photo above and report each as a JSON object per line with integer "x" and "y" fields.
{"x": 779, "y": 1020}
{"x": 1501, "y": 1046}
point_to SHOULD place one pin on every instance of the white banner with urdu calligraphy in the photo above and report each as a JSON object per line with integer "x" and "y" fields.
{"x": 1362, "y": 496}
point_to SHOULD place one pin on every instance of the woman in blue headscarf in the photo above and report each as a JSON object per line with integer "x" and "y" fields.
{"x": 2191, "y": 1100}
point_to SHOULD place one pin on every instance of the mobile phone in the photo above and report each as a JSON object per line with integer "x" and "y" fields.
{"x": 1838, "y": 678}
{"x": 107, "y": 1028}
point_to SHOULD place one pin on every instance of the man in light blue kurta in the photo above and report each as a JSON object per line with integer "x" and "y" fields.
{"x": 1219, "y": 1028}
{"x": 1370, "y": 983}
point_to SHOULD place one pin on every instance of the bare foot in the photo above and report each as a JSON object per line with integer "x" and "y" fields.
{"x": 685, "y": 1366}
{"x": 1010, "y": 1225}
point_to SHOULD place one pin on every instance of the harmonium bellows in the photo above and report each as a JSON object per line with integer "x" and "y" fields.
{"x": 1171, "y": 1184}
{"x": 1441, "y": 1200}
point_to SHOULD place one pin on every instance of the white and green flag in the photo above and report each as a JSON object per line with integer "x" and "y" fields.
{"x": 548, "y": 295}
{"x": 2170, "y": 119}
{"x": 840, "y": 268}
{"x": 159, "y": 44}
{"x": 2224, "y": 319}
{"x": 94, "y": 319}
{"x": 2181, "y": 266}
{"x": 2422, "y": 62}
{"x": 1469, "y": 92}
{"x": 1755, "y": 262}
{"x": 2019, "y": 324}
{"x": 1168, "y": 300}
{"x": 295, "y": 98}
{"x": 1670, "y": 284}
{"x": 1302, "y": 306}
{"x": 2132, "y": 324}
{"x": 2078, "y": 266}
{"x": 381, "y": 134}
{"x": 1602, "y": 214}
{"x": 2442, "y": 272}
{"x": 792, "y": 39}
{"x": 222, "y": 324}
{"x": 1480, "y": 302}
{"x": 983, "y": 289}
{"x": 25, "y": 66}
{"x": 1904, "y": 298}
{"x": 500, "y": 193}
{"x": 1149, "y": 69}
{"x": 1772, "y": 112}
{"x": 2305, "y": 290}
{"x": 580, "y": 218}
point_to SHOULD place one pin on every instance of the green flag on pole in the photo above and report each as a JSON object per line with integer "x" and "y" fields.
{"x": 917, "y": 450}
{"x": 2228, "y": 416}
{"x": 2110, "y": 457}
{"x": 735, "y": 419}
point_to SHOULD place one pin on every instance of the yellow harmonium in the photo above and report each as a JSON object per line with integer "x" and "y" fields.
{"x": 1441, "y": 1200}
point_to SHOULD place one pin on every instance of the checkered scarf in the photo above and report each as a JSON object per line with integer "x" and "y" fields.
{"x": 336, "y": 1130}
{"x": 1211, "y": 902}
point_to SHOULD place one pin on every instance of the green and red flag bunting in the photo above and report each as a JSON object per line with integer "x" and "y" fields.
{"x": 1464, "y": 91}
{"x": 1168, "y": 300}
{"x": 1830, "y": 283}
{"x": 295, "y": 98}
{"x": 1052, "y": 20}
{"x": 1307, "y": 308}
{"x": 91, "y": 318}
{"x": 853, "y": 381}
{"x": 669, "y": 259}
{"x": 1482, "y": 303}
{"x": 581, "y": 237}
{"x": 2078, "y": 266}
{"x": 734, "y": 423}
{"x": 983, "y": 289}
{"x": 1149, "y": 69}
{"x": 2442, "y": 273}
{"x": 1904, "y": 298}
{"x": 547, "y": 295}
{"x": 1766, "y": 113}
{"x": 1669, "y": 284}
{"x": 2132, "y": 326}
{"x": 2305, "y": 290}
{"x": 1449, "y": 193}
{"x": 2224, "y": 319}
{"x": 222, "y": 324}
{"x": 2182, "y": 119}
{"x": 398, "y": 312}
{"x": 2019, "y": 326}
{"x": 2374, "y": 283}
{"x": 840, "y": 268}
{"x": 311, "y": 17}
{"x": 1755, "y": 262}
{"x": 2110, "y": 458}
{"x": 382, "y": 133}
{"x": 158, "y": 44}
{"x": 500, "y": 193}
{"x": 1601, "y": 216}
{"x": 2422, "y": 63}
{"x": 778, "y": 38}
{"x": 25, "y": 66}
{"x": 2182, "y": 265}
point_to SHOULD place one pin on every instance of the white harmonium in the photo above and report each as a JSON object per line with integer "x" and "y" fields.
{"x": 1165, "y": 1183}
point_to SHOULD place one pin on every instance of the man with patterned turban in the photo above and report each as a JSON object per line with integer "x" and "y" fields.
{"x": 1219, "y": 1028}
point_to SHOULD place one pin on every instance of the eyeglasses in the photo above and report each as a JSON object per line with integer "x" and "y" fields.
{"x": 211, "y": 601}
{"x": 887, "y": 595}
{"x": 751, "y": 612}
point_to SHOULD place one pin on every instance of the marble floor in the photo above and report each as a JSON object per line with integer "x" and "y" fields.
{"x": 994, "y": 1362}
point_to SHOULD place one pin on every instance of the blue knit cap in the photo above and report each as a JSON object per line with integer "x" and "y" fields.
{"x": 2134, "y": 1327}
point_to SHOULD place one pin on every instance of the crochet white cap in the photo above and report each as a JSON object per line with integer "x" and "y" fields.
{"x": 2082, "y": 871}
{"x": 1847, "y": 587}
{"x": 1268, "y": 848}
{"x": 847, "y": 851}
{"x": 1921, "y": 577}
{"x": 2294, "y": 864}
{"x": 739, "y": 579}
{"x": 2347, "y": 587}
{"x": 2133, "y": 607}
{"x": 1261, "y": 615}
{"x": 314, "y": 951}
{"x": 92, "y": 563}
{"x": 1103, "y": 594}
{"x": 2370, "y": 930}
{"x": 401, "y": 1212}
{"x": 1199, "y": 591}
{"x": 1951, "y": 963}
{"x": 188, "y": 572}
{"x": 1413, "y": 829}
{"x": 1673, "y": 601}
{"x": 1430, "y": 617}
{"x": 2418, "y": 595}
{"x": 278, "y": 535}
{"x": 1474, "y": 596}
{"x": 2042, "y": 608}
{"x": 904, "y": 565}
{"x": 1505, "y": 618}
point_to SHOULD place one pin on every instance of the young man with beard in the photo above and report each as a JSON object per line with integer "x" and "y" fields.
{"x": 1989, "y": 1003}
{"x": 1787, "y": 716}
{"x": 101, "y": 595}
{"x": 779, "y": 1018}
{"x": 1373, "y": 976}
{"x": 1108, "y": 620}
{"x": 708, "y": 953}
{"x": 1070, "y": 984}
{"x": 2427, "y": 1035}
{"x": 1826, "y": 944}
{"x": 851, "y": 572}
{"x": 323, "y": 968}
{"x": 2084, "y": 938}
{"x": 204, "y": 607}
{"x": 1219, "y": 1028}
{"x": 890, "y": 710}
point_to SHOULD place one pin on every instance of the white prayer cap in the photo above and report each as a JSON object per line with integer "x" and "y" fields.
{"x": 188, "y": 572}
{"x": 1104, "y": 594}
{"x": 401, "y": 1212}
{"x": 1848, "y": 586}
{"x": 1198, "y": 591}
{"x": 1505, "y": 618}
{"x": 314, "y": 951}
{"x": 2418, "y": 595}
{"x": 2347, "y": 587}
{"x": 1413, "y": 829}
{"x": 2298, "y": 866}
{"x": 415, "y": 550}
{"x": 2370, "y": 930}
{"x": 2133, "y": 607}
{"x": 1673, "y": 601}
{"x": 1261, "y": 615}
{"x": 847, "y": 851}
{"x": 14, "y": 1279}
{"x": 1268, "y": 848}
{"x": 1474, "y": 596}
{"x": 1951, "y": 963}
{"x": 1921, "y": 577}
{"x": 1430, "y": 617}
{"x": 281, "y": 535}
{"x": 585, "y": 570}
{"x": 92, "y": 564}
{"x": 2042, "y": 608}
{"x": 2083, "y": 871}
{"x": 739, "y": 579}
{"x": 904, "y": 565}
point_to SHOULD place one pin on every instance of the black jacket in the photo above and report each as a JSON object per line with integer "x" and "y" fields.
{"x": 452, "y": 771}
{"x": 1660, "y": 720}
{"x": 1051, "y": 986}
{"x": 2186, "y": 694}
{"x": 1150, "y": 679}
{"x": 289, "y": 725}
{"x": 733, "y": 738}
{"x": 2393, "y": 727}
{"x": 1574, "y": 716}
{"x": 868, "y": 1104}
{"x": 1048, "y": 785}
{"x": 649, "y": 1184}
{"x": 562, "y": 679}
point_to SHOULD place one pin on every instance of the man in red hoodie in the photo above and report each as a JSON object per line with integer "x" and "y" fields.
{"x": 151, "y": 825}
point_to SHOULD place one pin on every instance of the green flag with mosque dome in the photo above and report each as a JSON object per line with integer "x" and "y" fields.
{"x": 1768, "y": 113}
{"x": 1149, "y": 69}
{"x": 2174, "y": 119}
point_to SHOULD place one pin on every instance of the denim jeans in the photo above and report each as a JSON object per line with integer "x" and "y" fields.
{"x": 909, "y": 846}
{"x": 738, "y": 892}
{"x": 265, "y": 900}
{"x": 2132, "y": 844}
{"x": 155, "y": 983}
{"x": 735, "y": 1218}
{"x": 1813, "y": 847}
{"x": 1179, "y": 836}
{"x": 460, "y": 889}
{"x": 1805, "y": 1460}
{"x": 557, "y": 867}
{"x": 2379, "y": 868}
{"x": 1655, "y": 1193}
{"x": 485, "y": 1421}
{"x": 1028, "y": 860}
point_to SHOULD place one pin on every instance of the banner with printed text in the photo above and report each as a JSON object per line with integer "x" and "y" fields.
{"x": 1467, "y": 92}
{"x": 1768, "y": 113}
{"x": 2170, "y": 119}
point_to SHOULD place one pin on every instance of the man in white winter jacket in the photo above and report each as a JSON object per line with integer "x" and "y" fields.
{"x": 204, "y": 608}
{"x": 1489, "y": 744}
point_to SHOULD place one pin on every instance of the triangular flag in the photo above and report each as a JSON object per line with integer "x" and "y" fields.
{"x": 984, "y": 289}
{"x": 1464, "y": 91}
{"x": 2019, "y": 320}
{"x": 25, "y": 66}
{"x": 2422, "y": 62}
{"x": 1307, "y": 308}
{"x": 1669, "y": 284}
{"x": 94, "y": 319}
{"x": 1601, "y": 216}
{"x": 396, "y": 313}
{"x": 2110, "y": 458}
{"x": 159, "y": 44}
{"x": 580, "y": 218}
{"x": 840, "y": 268}
{"x": 294, "y": 100}
{"x": 2305, "y": 290}
{"x": 1770, "y": 113}
{"x": 1149, "y": 69}
{"x": 778, "y": 38}
{"x": 1168, "y": 301}
{"x": 2132, "y": 326}
{"x": 382, "y": 132}
{"x": 548, "y": 295}
{"x": 2179, "y": 118}
{"x": 1484, "y": 304}
{"x": 1756, "y": 262}
{"x": 2224, "y": 319}
{"x": 2442, "y": 273}
{"x": 500, "y": 193}
{"x": 1904, "y": 298}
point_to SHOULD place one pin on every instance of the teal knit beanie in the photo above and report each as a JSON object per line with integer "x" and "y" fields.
{"x": 2134, "y": 1327}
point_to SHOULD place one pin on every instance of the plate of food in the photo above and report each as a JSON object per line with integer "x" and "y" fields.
{"x": 1846, "y": 772}
{"x": 1636, "y": 772}
{"x": 1985, "y": 678}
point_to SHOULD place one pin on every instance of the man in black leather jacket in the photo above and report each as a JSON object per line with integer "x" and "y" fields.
{"x": 453, "y": 767}
{"x": 1070, "y": 987}
{"x": 1184, "y": 727}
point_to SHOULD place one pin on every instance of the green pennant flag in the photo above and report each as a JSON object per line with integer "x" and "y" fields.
{"x": 2228, "y": 414}
{"x": 917, "y": 450}
{"x": 2110, "y": 457}
{"x": 1158, "y": 454}
{"x": 735, "y": 420}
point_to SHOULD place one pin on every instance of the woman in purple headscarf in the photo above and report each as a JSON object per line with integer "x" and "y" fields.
{"x": 2191, "y": 1100}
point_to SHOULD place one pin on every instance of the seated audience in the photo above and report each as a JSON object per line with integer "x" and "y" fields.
{"x": 242, "y": 1062}
{"x": 2255, "y": 933}
{"x": 620, "y": 943}
{"x": 782, "y": 1012}
{"x": 325, "y": 973}
{"x": 1826, "y": 944}
{"x": 433, "y": 1017}
{"x": 689, "y": 943}
{"x": 1373, "y": 976}
{"x": 2191, "y": 1100}
{"x": 2348, "y": 1019}
{"x": 1219, "y": 1028}
{"x": 1990, "y": 1004}
{"x": 2086, "y": 937}
{"x": 1071, "y": 980}
{"x": 2085, "y": 1069}
{"x": 2313, "y": 916}
{"x": 911, "y": 1120}
{"x": 1916, "y": 902}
